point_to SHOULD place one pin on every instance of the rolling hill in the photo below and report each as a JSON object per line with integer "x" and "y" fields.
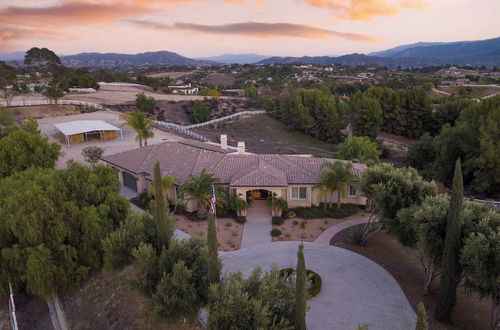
{"x": 121, "y": 60}
{"x": 235, "y": 58}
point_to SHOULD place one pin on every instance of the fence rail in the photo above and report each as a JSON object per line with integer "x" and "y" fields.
{"x": 29, "y": 103}
{"x": 234, "y": 115}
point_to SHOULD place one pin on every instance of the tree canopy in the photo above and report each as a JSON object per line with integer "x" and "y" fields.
{"x": 52, "y": 223}
{"x": 359, "y": 149}
{"x": 22, "y": 149}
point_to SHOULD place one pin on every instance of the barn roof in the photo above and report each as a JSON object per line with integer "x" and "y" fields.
{"x": 84, "y": 126}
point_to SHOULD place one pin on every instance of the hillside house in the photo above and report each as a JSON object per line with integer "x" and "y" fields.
{"x": 291, "y": 177}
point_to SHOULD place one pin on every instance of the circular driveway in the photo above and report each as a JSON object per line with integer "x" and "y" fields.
{"x": 355, "y": 290}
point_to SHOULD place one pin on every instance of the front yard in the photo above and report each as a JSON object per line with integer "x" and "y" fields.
{"x": 229, "y": 232}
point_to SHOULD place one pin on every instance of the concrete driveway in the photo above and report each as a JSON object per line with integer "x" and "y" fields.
{"x": 257, "y": 229}
{"x": 355, "y": 290}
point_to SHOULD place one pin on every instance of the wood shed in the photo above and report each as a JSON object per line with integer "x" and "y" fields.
{"x": 79, "y": 131}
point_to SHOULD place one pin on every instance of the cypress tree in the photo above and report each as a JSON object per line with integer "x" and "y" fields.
{"x": 450, "y": 263}
{"x": 300, "y": 291}
{"x": 213, "y": 266}
{"x": 422, "y": 323}
{"x": 164, "y": 228}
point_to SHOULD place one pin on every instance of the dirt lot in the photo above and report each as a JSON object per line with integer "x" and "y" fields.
{"x": 110, "y": 95}
{"x": 229, "y": 232}
{"x": 104, "y": 301}
{"x": 263, "y": 134}
{"x": 313, "y": 228}
{"x": 127, "y": 142}
{"x": 479, "y": 91}
{"x": 471, "y": 313}
{"x": 177, "y": 112}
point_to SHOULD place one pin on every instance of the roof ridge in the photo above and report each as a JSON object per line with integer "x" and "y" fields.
{"x": 295, "y": 165}
{"x": 148, "y": 156}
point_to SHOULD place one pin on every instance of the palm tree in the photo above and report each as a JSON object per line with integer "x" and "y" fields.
{"x": 199, "y": 189}
{"x": 141, "y": 124}
{"x": 336, "y": 176}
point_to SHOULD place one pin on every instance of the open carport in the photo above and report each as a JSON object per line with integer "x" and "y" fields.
{"x": 79, "y": 131}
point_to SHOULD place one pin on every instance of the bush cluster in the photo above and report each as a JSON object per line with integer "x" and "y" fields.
{"x": 275, "y": 232}
{"x": 320, "y": 211}
{"x": 278, "y": 220}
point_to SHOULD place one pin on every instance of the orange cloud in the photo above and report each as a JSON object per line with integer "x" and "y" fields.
{"x": 260, "y": 30}
{"x": 70, "y": 13}
{"x": 8, "y": 35}
{"x": 366, "y": 10}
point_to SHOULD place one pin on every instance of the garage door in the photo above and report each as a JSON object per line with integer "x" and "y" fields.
{"x": 129, "y": 181}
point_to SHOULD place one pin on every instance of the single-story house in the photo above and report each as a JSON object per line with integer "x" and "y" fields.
{"x": 291, "y": 177}
{"x": 79, "y": 131}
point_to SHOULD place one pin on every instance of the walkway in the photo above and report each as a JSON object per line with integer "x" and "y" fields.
{"x": 129, "y": 193}
{"x": 257, "y": 229}
{"x": 355, "y": 290}
{"x": 326, "y": 236}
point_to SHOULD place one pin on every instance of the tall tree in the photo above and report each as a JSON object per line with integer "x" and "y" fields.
{"x": 22, "y": 149}
{"x": 213, "y": 264}
{"x": 164, "y": 227}
{"x": 367, "y": 115}
{"x": 51, "y": 242}
{"x": 480, "y": 259}
{"x": 145, "y": 103}
{"x": 141, "y": 124}
{"x": 300, "y": 291}
{"x": 450, "y": 264}
{"x": 359, "y": 149}
{"x": 335, "y": 176}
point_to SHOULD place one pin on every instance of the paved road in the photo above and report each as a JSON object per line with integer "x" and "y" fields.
{"x": 355, "y": 290}
{"x": 257, "y": 229}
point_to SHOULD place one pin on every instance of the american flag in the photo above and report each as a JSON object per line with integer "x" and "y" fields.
{"x": 213, "y": 209}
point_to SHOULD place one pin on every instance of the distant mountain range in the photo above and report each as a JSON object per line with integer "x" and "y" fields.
{"x": 235, "y": 58}
{"x": 477, "y": 53}
{"x": 121, "y": 60}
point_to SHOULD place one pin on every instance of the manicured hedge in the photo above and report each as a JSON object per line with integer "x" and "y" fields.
{"x": 311, "y": 275}
{"x": 241, "y": 219}
{"x": 315, "y": 212}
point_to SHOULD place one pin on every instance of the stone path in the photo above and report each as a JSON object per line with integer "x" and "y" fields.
{"x": 355, "y": 290}
{"x": 326, "y": 236}
{"x": 257, "y": 229}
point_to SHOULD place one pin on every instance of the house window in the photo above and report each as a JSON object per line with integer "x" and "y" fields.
{"x": 353, "y": 190}
{"x": 299, "y": 193}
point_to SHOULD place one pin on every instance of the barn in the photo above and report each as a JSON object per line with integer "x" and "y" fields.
{"x": 79, "y": 131}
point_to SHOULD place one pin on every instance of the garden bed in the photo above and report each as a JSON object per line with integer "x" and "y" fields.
{"x": 229, "y": 231}
{"x": 293, "y": 229}
{"x": 314, "y": 280}
{"x": 403, "y": 264}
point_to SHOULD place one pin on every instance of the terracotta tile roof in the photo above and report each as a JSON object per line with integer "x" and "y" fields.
{"x": 180, "y": 159}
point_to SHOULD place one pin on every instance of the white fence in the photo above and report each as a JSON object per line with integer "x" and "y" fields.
{"x": 29, "y": 103}
{"x": 187, "y": 129}
{"x": 234, "y": 115}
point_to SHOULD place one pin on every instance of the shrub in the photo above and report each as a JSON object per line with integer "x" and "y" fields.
{"x": 287, "y": 235}
{"x": 356, "y": 235}
{"x": 228, "y": 224}
{"x": 315, "y": 212}
{"x": 303, "y": 224}
{"x": 278, "y": 221}
{"x": 314, "y": 286}
{"x": 291, "y": 213}
{"x": 275, "y": 232}
{"x": 295, "y": 222}
{"x": 142, "y": 200}
{"x": 241, "y": 219}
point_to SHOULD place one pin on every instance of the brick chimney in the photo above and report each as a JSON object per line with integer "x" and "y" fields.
{"x": 223, "y": 141}
{"x": 241, "y": 147}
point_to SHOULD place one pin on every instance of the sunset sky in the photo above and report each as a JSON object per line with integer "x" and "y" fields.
{"x": 211, "y": 27}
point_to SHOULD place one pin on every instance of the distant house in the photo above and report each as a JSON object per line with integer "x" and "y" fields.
{"x": 291, "y": 177}
{"x": 457, "y": 82}
{"x": 184, "y": 89}
{"x": 365, "y": 75}
{"x": 81, "y": 90}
